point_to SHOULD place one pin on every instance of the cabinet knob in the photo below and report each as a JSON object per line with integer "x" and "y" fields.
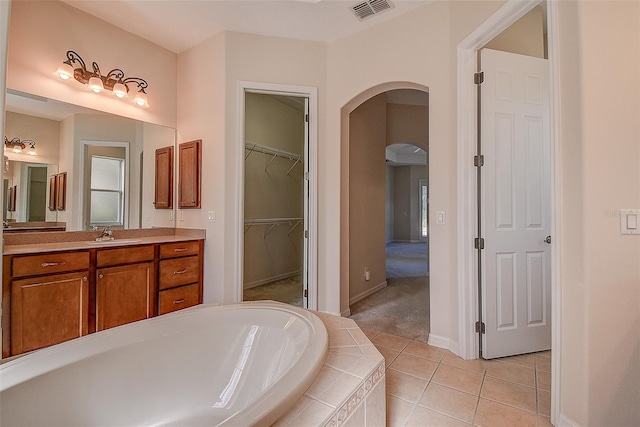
{"x": 85, "y": 278}
{"x": 100, "y": 276}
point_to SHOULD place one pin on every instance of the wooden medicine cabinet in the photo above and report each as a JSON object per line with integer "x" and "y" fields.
{"x": 190, "y": 166}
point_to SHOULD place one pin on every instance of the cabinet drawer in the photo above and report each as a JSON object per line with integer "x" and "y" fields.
{"x": 54, "y": 262}
{"x": 179, "y": 271}
{"x": 121, "y": 256}
{"x": 173, "y": 250}
{"x": 179, "y": 298}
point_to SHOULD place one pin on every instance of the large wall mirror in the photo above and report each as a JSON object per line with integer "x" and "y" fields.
{"x": 109, "y": 163}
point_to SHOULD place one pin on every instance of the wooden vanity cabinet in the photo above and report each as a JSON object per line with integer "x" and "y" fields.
{"x": 180, "y": 276}
{"x": 47, "y": 298}
{"x": 125, "y": 286}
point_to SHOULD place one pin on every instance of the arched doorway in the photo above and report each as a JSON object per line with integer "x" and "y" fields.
{"x": 379, "y": 117}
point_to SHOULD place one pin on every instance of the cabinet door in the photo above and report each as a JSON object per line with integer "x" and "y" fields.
{"x": 190, "y": 158}
{"x": 164, "y": 178}
{"x": 48, "y": 310}
{"x": 61, "y": 191}
{"x": 124, "y": 294}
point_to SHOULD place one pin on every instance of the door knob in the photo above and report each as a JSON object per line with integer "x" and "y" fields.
{"x": 548, "y": 240}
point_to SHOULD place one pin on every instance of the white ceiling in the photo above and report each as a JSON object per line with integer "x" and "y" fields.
{"x": 179, "y": 25}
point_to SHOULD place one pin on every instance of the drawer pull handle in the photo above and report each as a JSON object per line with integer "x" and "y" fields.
{"x": 180, "y": 249}
{"x": 179, "y": 301}
{"x": 180, "y": 272}
{"x": 53, "y": 264}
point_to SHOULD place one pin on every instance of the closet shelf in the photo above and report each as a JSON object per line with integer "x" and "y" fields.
{"x": 272, "y": 222}
{"x": 251, "y": 147}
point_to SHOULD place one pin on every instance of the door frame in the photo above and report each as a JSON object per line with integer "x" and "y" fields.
{"x": 505, "y": 16}
{"x": 312, "y": 257}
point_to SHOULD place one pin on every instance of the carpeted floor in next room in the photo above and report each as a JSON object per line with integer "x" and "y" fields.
{"x": 402, "y": 307}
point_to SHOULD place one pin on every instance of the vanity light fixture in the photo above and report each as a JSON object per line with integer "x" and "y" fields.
{"x": 114, "y": 81}
{"x": 19, "y": 146}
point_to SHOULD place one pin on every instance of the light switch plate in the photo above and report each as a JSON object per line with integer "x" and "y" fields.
{"x": 629, "y": 221}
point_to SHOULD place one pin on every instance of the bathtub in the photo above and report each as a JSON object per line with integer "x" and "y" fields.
{"x": 232, "y": 365}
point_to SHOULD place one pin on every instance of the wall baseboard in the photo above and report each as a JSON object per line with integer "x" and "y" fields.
{"x": 367, "y": 293}
{"x": 564, "y": 421}
{"x": 438, "y": 341}
{"x": 271, "y": 279}
{"x": 346, "y": 313}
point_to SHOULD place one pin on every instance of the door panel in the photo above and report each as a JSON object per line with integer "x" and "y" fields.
{"x": 516, "y": 276}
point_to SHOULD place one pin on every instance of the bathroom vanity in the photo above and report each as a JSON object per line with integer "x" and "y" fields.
{"x": 57, "y": 291}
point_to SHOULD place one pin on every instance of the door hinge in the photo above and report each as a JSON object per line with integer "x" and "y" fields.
{"x": 306, "y": 234}
{"x": 306, "y": 176}
{"x": 480, "y": 329}
{"x": 306, "y": 293}
{"x": 478, "y": 78}
{"x": 306, "y": 118}
{"x": 478, "y": 161}
{"x": 479, "y": 243}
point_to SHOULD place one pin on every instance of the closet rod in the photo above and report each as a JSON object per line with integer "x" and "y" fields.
{"x": 273, "y": 222}
{"x": 251, "y": 147}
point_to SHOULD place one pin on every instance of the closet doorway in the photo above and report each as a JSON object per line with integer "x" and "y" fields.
{"x": 276, "y": 208}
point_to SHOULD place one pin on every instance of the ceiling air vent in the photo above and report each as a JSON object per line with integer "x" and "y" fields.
{"x": 369, "y": 8}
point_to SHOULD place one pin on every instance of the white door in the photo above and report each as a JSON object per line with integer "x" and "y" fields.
{"x": 305, "y": 236}
{"x": 516, "y": 215}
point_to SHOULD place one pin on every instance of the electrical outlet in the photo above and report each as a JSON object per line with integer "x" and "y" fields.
{"x": 170, "y": 215}
{"x": 181, "y": 216}
{"x": 211, "y": 216}
{"x": 367, "y": 274}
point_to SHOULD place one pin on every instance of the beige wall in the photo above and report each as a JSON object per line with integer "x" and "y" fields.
{"x": 41, "y": 32}
{"x": 599, "y": 155}
{"x": 406, "y": 199}
{"x": 420, "y": 48}
{"x": 408, "y": 124}
{"x": 45, "y": 132}
{"x": 269, "y": 192}
{"x": 212, "y": 114}
{"x": 155, "y": 137}
{"x": 524, "y": 37}
{"x": 97, "y": 128}
{"x": 367, "y": 129}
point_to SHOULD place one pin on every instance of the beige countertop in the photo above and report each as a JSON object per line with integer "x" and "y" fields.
{"x": 17, "y": 244}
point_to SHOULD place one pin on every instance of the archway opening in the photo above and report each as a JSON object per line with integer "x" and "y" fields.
{"x": 385, "y": 144}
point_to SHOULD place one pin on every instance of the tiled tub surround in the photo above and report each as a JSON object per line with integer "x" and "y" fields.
{"x": 350, "y": 389}
{"x": 20, "y": 243}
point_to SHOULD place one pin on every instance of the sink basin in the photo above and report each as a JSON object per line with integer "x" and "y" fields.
{"x": 114, "y": 242}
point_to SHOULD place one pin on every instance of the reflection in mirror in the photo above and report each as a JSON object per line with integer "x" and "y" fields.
{"x": 69, "y": 139}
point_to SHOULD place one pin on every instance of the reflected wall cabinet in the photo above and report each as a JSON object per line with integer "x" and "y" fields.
{"x": 58, "y": 191}
{"x": 190, "y": 164}
{"x": 164, "y": 178}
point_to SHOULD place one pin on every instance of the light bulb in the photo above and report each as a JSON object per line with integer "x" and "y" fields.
{"x": 95, "y": 84}
{"x": 65, "y": 71}
{"x": 120, "y": 90}
{"x": 141, "y": 99}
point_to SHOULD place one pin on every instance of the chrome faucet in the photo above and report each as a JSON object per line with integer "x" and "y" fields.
{"x": 105, "y": 234}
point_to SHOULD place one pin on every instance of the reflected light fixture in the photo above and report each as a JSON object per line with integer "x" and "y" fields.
{"x": 114, "y": 81}
{"x": 20, "y": 146}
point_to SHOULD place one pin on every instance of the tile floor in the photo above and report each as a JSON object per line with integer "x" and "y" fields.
{"x": 429, "y": 386}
